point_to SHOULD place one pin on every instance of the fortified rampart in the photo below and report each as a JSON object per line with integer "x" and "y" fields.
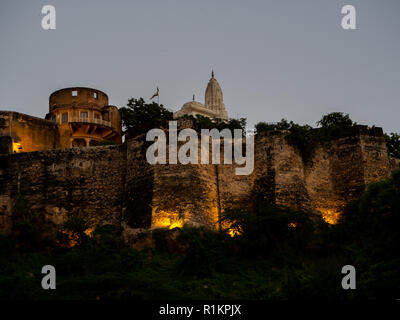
{"x": 336, "y": 173}
{"x": 61, "y": 183}
{"x": 36, "y": 133}
{"x": 116, "y": 184}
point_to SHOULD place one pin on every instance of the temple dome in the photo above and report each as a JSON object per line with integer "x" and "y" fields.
{"x": 214, "y": 106}
{"x": 191, "y": 105}
{"x": 193, "y": 108}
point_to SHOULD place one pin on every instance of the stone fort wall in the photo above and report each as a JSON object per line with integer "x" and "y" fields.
{"x": 36, "y": 133}
{"x": 336, "y": 173}
{"x": 115, "y": 184}
{"x": 61, "y": 183}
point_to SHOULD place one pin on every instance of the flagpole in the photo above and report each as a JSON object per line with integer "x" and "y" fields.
{"x": 157, "y": 94}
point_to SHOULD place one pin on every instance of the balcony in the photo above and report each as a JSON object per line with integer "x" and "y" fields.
{"x": 90, "y": 121}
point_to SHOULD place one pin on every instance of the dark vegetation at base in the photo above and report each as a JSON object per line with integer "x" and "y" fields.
{"x": 279, "y": 254}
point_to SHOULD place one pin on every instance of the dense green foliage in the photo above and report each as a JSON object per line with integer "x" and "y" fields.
{"x": 269, "y": 229}
{"x": 302, "y": 137}
{"x": 201, "y": 122}
{"x": 306, "y": 138}
{"x": 336, "y": 120}
{"x": 281, "y": 125}
{"x": 139, "y": 117}
{"x": 369, "y": 228}
{"x": 393, "y": 144}
{"x": 279, "y": 254}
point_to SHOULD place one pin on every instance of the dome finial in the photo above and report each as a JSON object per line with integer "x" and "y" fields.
{"x": 193, "y": 96}
{"x": 212, "y": 73}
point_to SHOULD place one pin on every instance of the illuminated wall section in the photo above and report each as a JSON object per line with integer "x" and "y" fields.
{"x": 28, "y": 133}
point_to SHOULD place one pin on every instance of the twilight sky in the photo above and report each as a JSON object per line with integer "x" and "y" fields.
{"x": 273, "y": 59}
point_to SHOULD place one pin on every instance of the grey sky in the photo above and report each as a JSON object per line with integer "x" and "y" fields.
{"x": 273, "y": 59}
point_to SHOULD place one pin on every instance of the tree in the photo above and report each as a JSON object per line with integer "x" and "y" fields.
{"x": 368, "y": 231}
{"x": 336, "y": 120}
{"x": 301, "y": 136}
{"x": 393, "y": 144}
{"x": 202, "y": 122}
{"x": 281, "y": 125}
{"x": 237, "y": 124}
{"x": 268, "y": 227}
{"x": 139, "y": 116}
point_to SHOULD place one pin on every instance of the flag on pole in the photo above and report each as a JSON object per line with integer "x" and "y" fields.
{"x": 155, "y": 94}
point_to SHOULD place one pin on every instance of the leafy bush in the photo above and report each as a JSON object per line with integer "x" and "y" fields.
{"x": 74, "y": 231}
{"x": 278, "y": 254}
{"x": 368, "y": 233}
{"x": 281, "y": 125}
{"x": 304, "y": 137}
{"x": 271, "y": 228}
{"x": 393, "y": 144}
{"x": 375, "y": 215}
{"x": 336, "y": 120}
{"x": 206, "y": 253}
{"x": 202, "y": 122}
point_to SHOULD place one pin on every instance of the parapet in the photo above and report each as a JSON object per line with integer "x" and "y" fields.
{"x": 28, "y": 133}
{"x": 78, "y": 97}
{"x": 357, "y": 130}
{"x": 6, "y": 116}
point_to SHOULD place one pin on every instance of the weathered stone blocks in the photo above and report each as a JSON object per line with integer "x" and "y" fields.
{"x": 116, "y": 185}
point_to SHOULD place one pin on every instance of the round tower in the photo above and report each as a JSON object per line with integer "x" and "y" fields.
{"x": 84, "y": 117}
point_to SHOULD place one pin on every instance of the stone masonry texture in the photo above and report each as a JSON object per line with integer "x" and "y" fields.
{"x": 116, "y": 185}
